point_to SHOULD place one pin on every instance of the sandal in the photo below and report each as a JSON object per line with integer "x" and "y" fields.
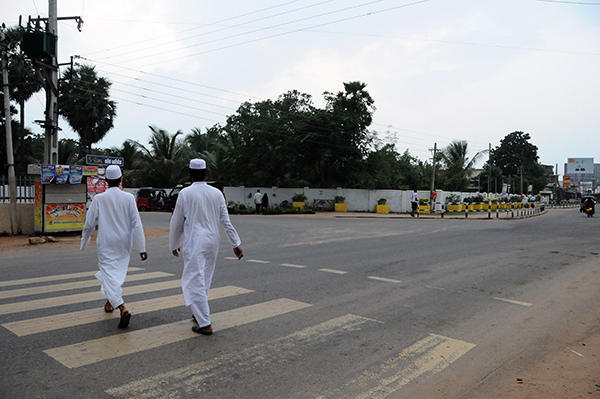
{"x": 108, "y": 307}
{"x": 125, "y": 317}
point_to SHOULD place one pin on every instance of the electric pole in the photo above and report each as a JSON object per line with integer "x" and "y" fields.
{"x": 51, "y": 125}
{"x": 433, "y": 169}
{"x": 10, "y": 157}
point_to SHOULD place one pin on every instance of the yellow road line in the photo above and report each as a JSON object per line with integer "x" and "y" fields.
{"x": 334, "y": 271}
{"x": 74, "y": 285}
{"x": 44, "y": 303}
{"x": 293, "y": 265}
{"x": 191, "y": 380}
{"x": 56, "y": 322}
{"x": 96, "y": 350}
{"x": 526, "y": 304}
{"x": 55, "y": 277}
{"x": 387, "y": 280}
{"x": 427, "y": 356}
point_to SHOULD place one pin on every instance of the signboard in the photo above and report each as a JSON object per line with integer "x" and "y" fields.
{"x": 89, "y": 170}
{"x": 64, "y": 216}
{"x": 76, "y": 174}
{"x": 62, "y": 174}
{"x": 48, "y": 173}
{"x": 37, "y": 206}
{"x": 580, "y": 166}
{"x": 102, "y": 160}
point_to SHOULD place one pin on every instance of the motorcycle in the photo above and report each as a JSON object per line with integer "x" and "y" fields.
{"x": 589, "y": 210}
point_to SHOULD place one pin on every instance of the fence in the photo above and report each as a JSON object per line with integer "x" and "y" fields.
{"x": 25, "y": 189}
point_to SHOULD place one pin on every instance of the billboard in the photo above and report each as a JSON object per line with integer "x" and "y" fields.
{"x": 580, "y": 166}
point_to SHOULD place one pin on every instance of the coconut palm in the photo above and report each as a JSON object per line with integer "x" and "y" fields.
{"x": 458, "y": 166}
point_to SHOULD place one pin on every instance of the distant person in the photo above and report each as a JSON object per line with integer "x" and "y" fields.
{"x": 414, "y": 203}
{"x": 199, "y": 213}
{"x": 258, "y": 198}
{"x": 119, "y": 227}
{"x": 265, "y": 202}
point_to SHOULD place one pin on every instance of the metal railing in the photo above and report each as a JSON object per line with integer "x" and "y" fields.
{"x": 25, "y": 189}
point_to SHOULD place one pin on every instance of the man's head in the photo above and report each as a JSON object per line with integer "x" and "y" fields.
{"x": 197, "y": 169}
{"x": 258, "y": 190}
{"x": 415, "y": 190}
{"x": 113, "y": 176}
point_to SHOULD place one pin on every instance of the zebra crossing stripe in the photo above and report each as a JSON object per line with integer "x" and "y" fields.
{"x": 190, "y": 381}
{"x": 44, "y": 303}
{"x": 74, "y": 285}
{"x": 55, "y": 277}
{"x": 430, "y": 355}
{"x": 96, "y": 350}
{"x": 71, "y": 319}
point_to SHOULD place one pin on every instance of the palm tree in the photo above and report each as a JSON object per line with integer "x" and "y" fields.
{"x": 458, "y": 165}
{"x": 165, "y": 160}
{"x": 84, "y": 102}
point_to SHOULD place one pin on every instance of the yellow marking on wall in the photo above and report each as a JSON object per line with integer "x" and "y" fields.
{"x": 44, "y": 303}
{"x": 74, "y": 285}
{"x": 189, "y": 381}
{"x": 71, "y": 319}
{"x": 334, "y": 271}
{"x": 96, "y": 350}
{"x": 68, "y": 276}
{"x": 427, "y": 356}
{"x": 526, "y": 304}
{"x": 387, "y": 280}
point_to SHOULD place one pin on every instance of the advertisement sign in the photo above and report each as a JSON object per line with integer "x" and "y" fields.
{"x": 64, "y": 216}
{"x": 37, "y": 206}
{"x": 580, "y": 166}
{"x": 48, "y": 173}
{"x": 76, "y": 174}
{"x": 89, "y": 170}
{"x": 62, "y": 174}
{"x": 102, "y": 160}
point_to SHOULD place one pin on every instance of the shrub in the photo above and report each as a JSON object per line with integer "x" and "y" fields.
{"x": 423, "y": 201}
{"x": 339, "y": 199}
{"x": 299, "y": 197}
{"x": 453, "y": 198}
{"x": 381, "y": 201}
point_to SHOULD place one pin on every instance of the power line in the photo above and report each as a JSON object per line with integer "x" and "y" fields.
{"x": 36, "y": 9}
{"x": 187, "y": 30}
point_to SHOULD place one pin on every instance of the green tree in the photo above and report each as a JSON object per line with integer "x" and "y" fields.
{"x": 457, "y": 165}
{"x": 84, "y": 102}
{"x": 516, "y": 156}
{"x": 165, "y": 161}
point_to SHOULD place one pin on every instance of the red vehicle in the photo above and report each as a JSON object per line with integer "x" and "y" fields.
{"x": 151, "y": 199}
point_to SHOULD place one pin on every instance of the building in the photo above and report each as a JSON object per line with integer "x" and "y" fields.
{"x": 582, "y": 174}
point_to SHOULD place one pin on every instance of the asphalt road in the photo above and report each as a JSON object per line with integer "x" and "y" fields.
{"x": 319, "y": 307}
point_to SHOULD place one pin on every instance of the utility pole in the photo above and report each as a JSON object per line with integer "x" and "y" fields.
{"x": 51, "y": 125}
{"x": 10, "y": 157}
{"x": 433, "y": 170}
{"x": 489, "y": 165}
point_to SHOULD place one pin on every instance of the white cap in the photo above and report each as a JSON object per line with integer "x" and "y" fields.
{"x": 113, "y": 172}
{"x": 197, "y": 163}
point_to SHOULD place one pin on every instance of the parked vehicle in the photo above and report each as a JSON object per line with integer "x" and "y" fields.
{"x": 172, "y": 197}
{"x": 151, "y": 199}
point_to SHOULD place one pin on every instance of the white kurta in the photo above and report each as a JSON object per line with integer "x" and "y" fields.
{"x": 119, "y": 228}
{"x": 199, "y": 213}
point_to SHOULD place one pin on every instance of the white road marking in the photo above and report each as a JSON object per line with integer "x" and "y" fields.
{"x": 74, "y": 285}
{"x": 526, "y": 304}
{"x": 68, "y": 276}
{"x": 190, "y": 380}
{"x": 430, "y": 355}
{"x": 230, "y": 258}
{"x": 45, "y": 303}
{"x": 334, "y": 271}
{"x": 577, "y": 353}
{"x": 341, "y": 239}
{"x": 293, "y": 265}
{"x": 387, "y": 280}
{"x": 71, "y": 319}
{"x": 114, "y": 346}
{"x": 258, "y": 261}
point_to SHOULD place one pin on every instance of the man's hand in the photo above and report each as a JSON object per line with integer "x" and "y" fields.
{"x": 176, "y": 252}
{"x": 144, "y": 255}
{"x": 238, "y": 252}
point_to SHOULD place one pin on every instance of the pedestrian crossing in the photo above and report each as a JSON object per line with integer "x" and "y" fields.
{"x": 429, "y": 355}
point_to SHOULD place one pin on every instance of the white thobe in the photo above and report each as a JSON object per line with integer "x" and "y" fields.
{"x": 119, "y": 228}
{"x": 199, "y": 213}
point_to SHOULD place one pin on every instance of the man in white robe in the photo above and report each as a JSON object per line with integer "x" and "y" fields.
{"x": 119, "y": 228}
{"x": 199, "y": 213}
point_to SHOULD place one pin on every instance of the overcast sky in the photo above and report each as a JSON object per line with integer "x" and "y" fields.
{"x": 438, "y": 70}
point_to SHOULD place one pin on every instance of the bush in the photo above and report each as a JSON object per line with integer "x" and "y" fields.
{"x": 339, "y": 199}
{"x": 453, "y": 199}
{"x": 478, "y": 198}
{"x": 515, "y": 198}
{"x": 381, "y": 201}
{"x": 299, "y": 197}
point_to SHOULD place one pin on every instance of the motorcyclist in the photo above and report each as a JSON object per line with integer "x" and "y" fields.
{"x": 589, "y": 202}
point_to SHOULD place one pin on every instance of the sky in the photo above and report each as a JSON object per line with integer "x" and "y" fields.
{"x": 438, "y": 70}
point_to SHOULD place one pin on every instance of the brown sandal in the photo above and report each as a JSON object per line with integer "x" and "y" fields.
{"x": 108, "y": 307}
